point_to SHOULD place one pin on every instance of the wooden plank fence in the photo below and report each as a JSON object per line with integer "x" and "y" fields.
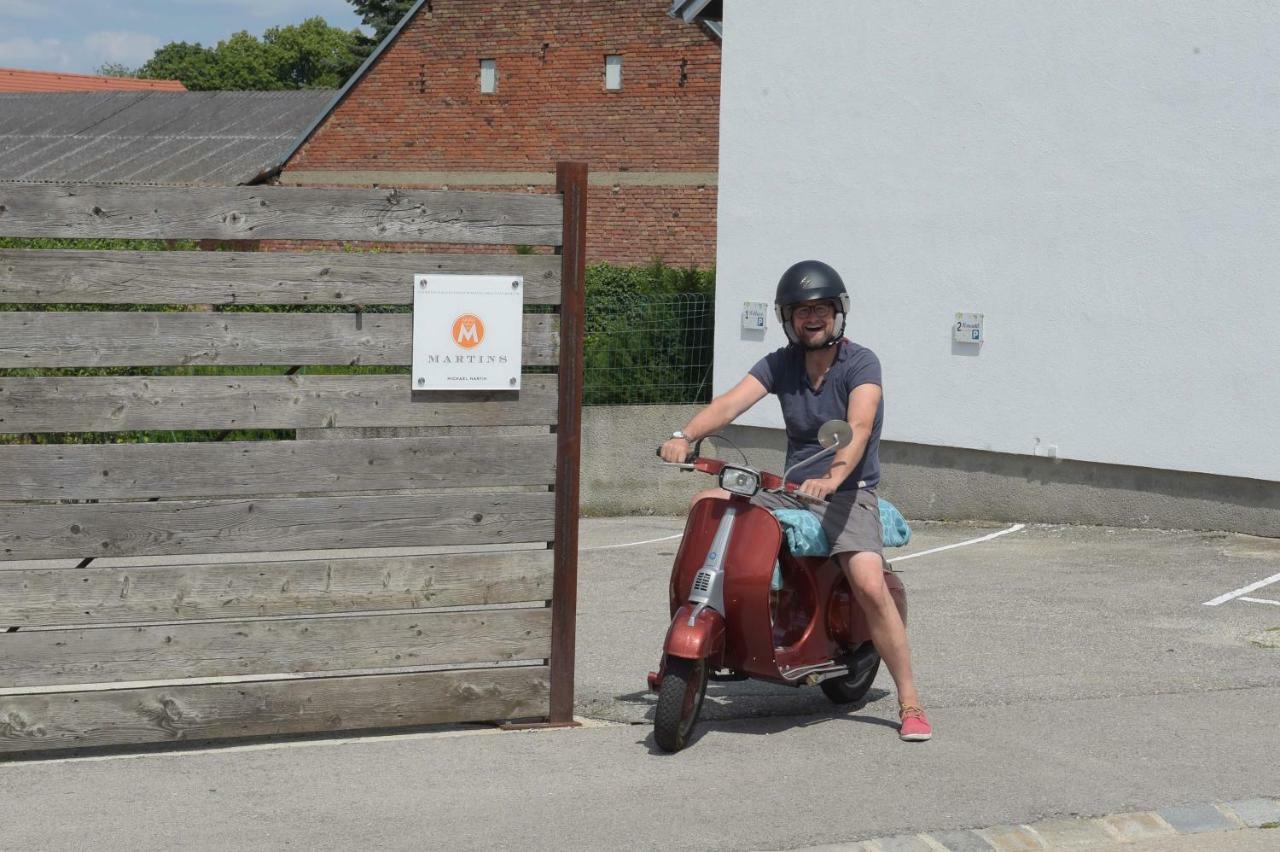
{"x": 411, "y": 562}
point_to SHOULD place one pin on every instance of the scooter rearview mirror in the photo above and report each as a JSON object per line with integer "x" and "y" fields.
{"x": 835, "y": 433}
{"x": 832, "y": 435}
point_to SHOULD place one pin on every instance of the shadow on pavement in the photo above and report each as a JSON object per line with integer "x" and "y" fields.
{"x": 758, "y": 725}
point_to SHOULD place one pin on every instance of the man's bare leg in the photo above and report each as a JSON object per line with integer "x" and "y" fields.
{"x": 866, "y": 577}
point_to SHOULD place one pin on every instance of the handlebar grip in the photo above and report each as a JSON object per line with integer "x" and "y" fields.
{"x": 694, "y": 452}
{"x": 791, "y": 488}
{"x": 690, "y": 459}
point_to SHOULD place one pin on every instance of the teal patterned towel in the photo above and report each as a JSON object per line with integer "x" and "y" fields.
{"x": 804, "y": 534}
{"x": 896, "y": 532}
{"x": 806, "y": 538}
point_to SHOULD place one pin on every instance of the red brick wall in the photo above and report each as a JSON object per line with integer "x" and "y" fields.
{"x": 419, "y": 108}
{"x": 638, "y": 224}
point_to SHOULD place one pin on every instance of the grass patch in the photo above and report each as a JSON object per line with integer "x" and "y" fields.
{"x": 97, "y": 244}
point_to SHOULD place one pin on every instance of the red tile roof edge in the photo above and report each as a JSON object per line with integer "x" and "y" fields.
{"x": 19, "y": 80}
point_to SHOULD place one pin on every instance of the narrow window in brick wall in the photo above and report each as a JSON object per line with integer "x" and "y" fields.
{"x": 613, "y": 72}
{"x": 488, "y": 76}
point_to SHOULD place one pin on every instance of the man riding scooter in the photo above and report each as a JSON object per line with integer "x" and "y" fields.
{"x": 822, "y": 375}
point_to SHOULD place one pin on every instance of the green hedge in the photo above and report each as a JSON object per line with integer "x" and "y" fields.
{"x": 605, "y": 281}
{"x": 649, "y": 334}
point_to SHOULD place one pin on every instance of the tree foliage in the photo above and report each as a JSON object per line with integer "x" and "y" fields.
{"x": 382, "y": 15}
{"x": 115, "y": 69}
{"x": 310, "y": 55}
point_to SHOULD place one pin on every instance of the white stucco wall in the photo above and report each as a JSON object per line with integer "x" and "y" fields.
{"x": 1100, "y": 179}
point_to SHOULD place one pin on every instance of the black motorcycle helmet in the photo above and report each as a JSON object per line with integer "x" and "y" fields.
{"x": 810, "y": 281}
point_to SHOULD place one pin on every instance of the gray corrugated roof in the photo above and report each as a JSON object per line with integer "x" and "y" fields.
{"x": 195, "y": 138}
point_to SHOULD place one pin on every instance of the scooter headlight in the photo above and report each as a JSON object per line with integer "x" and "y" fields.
{"x": 740, "y": 480}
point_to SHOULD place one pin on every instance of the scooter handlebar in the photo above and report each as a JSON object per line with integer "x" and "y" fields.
{"x": 694, "y": 452}
{"x": 687, "y": 463}
{"x": 768, "y": 481}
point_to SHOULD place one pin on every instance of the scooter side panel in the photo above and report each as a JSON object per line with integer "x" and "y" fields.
{"x": 756, "y": 542}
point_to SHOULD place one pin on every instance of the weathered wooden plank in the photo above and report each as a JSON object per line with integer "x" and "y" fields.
{"x": 271, "y": 646}
{"x": 137, "y": 339}
{"x": 70, "y": 596}
{"x": 260, "y": 468}
{"x": 169, "y": 714}
{"x": 474, "y": 432}
{"x": 36, "y": 531}
{"x": 121, "y": 403}
{"x": 250, "y": 278}
{"x": 279, "y": 213}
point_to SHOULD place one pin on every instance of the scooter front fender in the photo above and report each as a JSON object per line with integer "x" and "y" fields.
{"x": 704, "y": 639}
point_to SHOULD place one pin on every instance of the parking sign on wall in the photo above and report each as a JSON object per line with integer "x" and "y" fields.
{"x": 467, "y": 332}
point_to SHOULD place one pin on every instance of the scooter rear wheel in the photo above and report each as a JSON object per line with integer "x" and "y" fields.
{"x": 854, "y": 686}
{"x": 679, "y": 701}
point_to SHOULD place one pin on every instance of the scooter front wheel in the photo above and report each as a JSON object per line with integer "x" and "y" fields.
{"x": 679, "y": 701}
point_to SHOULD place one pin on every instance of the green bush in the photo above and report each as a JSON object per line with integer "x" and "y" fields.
{"x": 604, "y": 280}
{"x": 649, "y": 335}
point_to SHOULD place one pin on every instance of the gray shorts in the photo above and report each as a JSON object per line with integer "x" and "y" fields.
{"x": 850, "y": 519}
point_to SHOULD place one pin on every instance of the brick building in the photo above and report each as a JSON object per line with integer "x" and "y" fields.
{"x": 490, "y": 95}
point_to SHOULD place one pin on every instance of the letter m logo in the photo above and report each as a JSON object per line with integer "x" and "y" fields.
{"x": 468, "y": 331}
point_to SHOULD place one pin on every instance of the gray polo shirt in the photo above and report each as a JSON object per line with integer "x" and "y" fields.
{"x": 804, "y": 410}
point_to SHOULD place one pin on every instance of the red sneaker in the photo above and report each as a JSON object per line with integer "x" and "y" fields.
{"x": 915, "y": 727}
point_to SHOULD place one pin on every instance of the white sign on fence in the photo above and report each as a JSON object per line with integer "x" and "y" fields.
{"x": 467, "y": 332}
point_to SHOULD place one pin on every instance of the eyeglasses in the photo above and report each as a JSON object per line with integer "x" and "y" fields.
{"x": 821, "y": 311}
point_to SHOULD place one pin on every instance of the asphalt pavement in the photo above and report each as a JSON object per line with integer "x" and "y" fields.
{"x": 1069, "y": 672}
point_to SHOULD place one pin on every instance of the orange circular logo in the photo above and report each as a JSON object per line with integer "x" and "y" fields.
{"x": 468, "y": 331}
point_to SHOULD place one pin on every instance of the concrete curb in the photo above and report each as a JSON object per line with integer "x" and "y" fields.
{"x": 1091, "y": 833}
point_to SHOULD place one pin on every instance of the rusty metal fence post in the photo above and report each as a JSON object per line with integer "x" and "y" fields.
{"x": 571, "y": 181}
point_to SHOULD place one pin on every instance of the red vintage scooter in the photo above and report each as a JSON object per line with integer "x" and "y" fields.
{"x": 731, "y": 617}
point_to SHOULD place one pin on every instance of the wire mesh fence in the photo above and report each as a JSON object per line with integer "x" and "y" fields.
{"x": 643, "y": 349}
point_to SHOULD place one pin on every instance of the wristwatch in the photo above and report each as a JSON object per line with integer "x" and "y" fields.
{"x": 679, "y": 433}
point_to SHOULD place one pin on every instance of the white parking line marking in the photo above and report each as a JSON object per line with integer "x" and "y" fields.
{"x": 630, "y": 543}
{"x": 1011, "y": 529}
{"x": 1261, "y": 600}
{"x": 1252, "y": 587}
